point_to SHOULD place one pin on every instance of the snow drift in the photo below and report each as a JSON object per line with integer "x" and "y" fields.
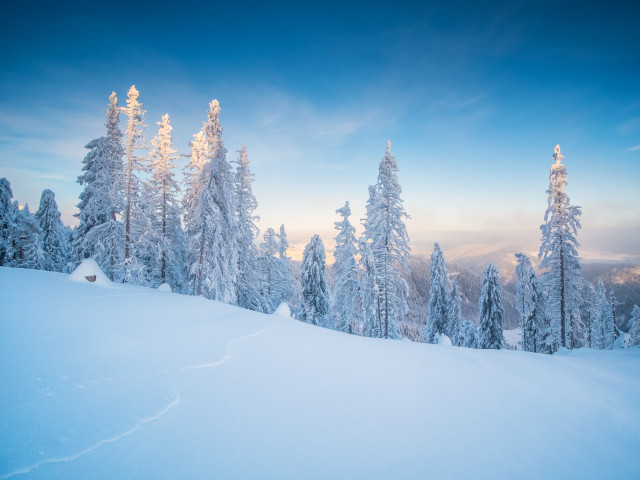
{"x": 129, "y": 382}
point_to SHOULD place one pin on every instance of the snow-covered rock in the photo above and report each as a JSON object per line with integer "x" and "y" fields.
{"x": 283, "y": 310}
{"x": 165, "y": 287}
{"x": 89, "y": 271}
{"x": 444, "y": 340}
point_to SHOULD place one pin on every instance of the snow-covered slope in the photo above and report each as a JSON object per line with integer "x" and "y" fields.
{"x": 111, "y": 381}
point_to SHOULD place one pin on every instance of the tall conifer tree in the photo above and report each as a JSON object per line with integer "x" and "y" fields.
{"x": 560, "y": 261}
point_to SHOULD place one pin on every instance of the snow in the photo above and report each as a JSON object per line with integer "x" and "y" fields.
{"x": 283, "y": 311}
{"x": 444, "y": 340}
{"x": 89, "y": 268}
{"x": 514, "y": 338}
{"x": 165, "y": 287}
{"x": 129, "y": 382}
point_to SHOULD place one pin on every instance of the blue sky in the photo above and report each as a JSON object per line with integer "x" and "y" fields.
{"x": 473, "y": 96}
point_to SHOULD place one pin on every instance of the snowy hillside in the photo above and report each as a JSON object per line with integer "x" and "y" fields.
{"x": 112, "y": 381}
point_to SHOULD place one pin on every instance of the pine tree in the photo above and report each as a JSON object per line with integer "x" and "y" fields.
{"x": 559, "y": 255}
{"x": 8, "y": 219}
{"x": 249, "y": 285}
{"x": 437, "y": 311}
{"x": 315, "y": 294}
{"x": 53, "y": 235}
{"x": 634, "y": 331}
{"x": 346, "y": 281}
{"x": 133, "y": 141}
{"x": 99, "y": 233}
{"x": 386, "y": 230}
{"x": 491, "y": 310}
{"x": 165, "y": 237}
{"x": 212, "y": 232}
{"x": 454, "y": 319}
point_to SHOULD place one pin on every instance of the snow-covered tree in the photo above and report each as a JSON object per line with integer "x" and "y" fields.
{"x": 272, "y": 272}
{"x": 315, "y": 293}
{"x": 135, "y": 220}
{"x": 26, "y": 242}
{"x": 437, "y": 313}
{"x": 467, "y": 335}
{"x": 454, "y": 312}
{"x": 560, "y": 261}
{"x": 249, "y": 283}
{"x": 211, "y": 226}
{"x": 590, "y": 313}
{"x": 55, "y": 248}
{"x": 609, "y": 321}
{"x": 164, "y": 240}
{"x": 369, "y": 291}
{"x": 634, "y": 331}
{"x": 598, "y": 323}
{"x": 346, "y": 282}
{"x": 291, "y": 286}
{"x": 8, "y": 218}
{"x": 491, "y": 316}
{"x": 528, "y": 303}
{"x": 100, "y": 234}
{"x": 387, "y": 233}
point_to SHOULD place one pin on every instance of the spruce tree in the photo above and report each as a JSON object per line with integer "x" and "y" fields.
{"x": 589, "y": 314}
{"x": 134, "y": 220}
{"x": 529, "y": 303}
{"x": 8, "y": 219}
{"x": 454, "y": 319}
{"x": 491, "y": 311}
{"x": 609, "y": 321}
{"x": 387, "y": 232}
{"x": 436, "y": 324}
{"x": 315, "y": 294}
{"x": 599, "y": 329}
{"x": 634, "y": 331}
{"x": 26, "y": 243}
{"x": 55, "y": 248}
{"x": 212, "y": 232}
{"x": 165, "y": 239}
{"x": 100, "y": 233}
{"x": 273, "y": 278}
{"x": 369, "y": 297}
{"x": 468, "y": 334}
{"x": 249, "y": 285}
{"x": 346, "y": 281}
{"x": 560, "y": 261}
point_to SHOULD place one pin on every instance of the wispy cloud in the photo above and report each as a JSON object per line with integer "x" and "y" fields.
{"x": 633, "y": 149}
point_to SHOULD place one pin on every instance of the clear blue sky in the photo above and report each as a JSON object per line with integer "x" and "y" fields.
{"x": 473, "y": 96}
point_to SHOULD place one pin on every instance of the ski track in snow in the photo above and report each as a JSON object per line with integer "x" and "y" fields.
{"x": 90, "y": 449}
{"x": 227, "y": 355}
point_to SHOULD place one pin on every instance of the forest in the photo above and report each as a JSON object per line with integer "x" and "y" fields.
{"x": 200, "y": 236}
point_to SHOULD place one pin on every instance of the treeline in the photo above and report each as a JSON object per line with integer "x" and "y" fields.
{"x": 200, "y": 237}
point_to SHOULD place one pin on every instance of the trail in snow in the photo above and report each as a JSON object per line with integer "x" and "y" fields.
{"x": 90, "y": 449}
{"x": 227, "y": 355}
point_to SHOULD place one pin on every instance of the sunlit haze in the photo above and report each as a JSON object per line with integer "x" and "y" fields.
{"x": 473, "y": 96}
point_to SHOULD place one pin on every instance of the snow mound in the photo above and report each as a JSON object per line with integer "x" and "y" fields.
{"x": 165, "y": 287}
{"x": 89, "y": 271}
{"x": 283, "y": 310}
{"x": 444, "y": 340}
